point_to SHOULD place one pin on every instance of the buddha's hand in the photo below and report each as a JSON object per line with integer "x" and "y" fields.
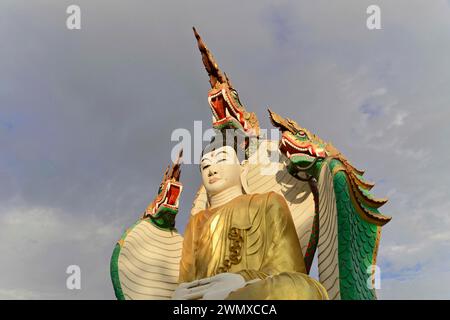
{"x": 217, "y": 287}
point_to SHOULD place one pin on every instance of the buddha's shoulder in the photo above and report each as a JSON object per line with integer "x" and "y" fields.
{"x": 268, "y": 198}
{"x": 270, "y": 206}
{"x": 263, "y": 203}
{"x": 252, "y": 200}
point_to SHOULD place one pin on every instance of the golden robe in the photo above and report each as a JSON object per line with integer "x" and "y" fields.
{"x": 252, "y": 235}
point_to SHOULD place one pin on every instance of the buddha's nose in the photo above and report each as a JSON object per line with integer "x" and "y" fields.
{"x": 211, "y": 172}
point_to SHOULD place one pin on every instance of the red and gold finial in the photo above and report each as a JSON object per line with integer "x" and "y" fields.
{"x": 216, "y": 76}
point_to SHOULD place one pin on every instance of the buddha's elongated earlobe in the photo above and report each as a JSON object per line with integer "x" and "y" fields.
{"x": 244, "y": 173}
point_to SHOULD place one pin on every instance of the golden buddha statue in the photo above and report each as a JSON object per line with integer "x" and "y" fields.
{"x": 243, "y": 246}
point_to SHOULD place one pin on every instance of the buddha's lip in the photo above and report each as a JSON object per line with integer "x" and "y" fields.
{"x": 212, "y": 180}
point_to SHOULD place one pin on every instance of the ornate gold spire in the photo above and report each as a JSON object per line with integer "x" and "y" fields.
{"x": 215, "y": 74}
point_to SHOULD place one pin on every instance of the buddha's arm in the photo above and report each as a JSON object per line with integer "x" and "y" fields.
{"x": 284, "y": 252}
{"x": 283, "y": 270}
{"x": 187, "y": 257}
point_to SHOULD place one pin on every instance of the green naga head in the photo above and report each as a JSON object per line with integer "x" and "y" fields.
{"x": 164, "y": 208}
{"x": 227, "y": 110}
{"x": 307, "y": 153}
{"x": 305, "y": 150}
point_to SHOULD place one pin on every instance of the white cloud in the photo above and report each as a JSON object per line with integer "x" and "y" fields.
{"x": 38, "y": 244}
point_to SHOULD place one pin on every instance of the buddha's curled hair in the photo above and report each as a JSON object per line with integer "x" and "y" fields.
{"x": 234, "y": 138}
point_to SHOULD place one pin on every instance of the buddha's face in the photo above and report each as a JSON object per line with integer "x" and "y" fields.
{"x": 220, "y": 170}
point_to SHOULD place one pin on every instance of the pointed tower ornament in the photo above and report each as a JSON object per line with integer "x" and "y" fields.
{"x": 216, "y": 76}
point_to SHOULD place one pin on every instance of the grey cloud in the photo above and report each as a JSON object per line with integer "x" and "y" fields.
{"x": 86, "y": 118}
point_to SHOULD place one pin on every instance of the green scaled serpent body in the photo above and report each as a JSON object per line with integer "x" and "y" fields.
{"x": 349, "y": 220}
{"x": 358, "y": 244}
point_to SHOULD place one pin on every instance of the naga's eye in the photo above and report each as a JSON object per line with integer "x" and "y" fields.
{"x": 301, "y": 133}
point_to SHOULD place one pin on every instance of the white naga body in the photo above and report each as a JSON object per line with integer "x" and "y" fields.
{"x": 148, "y": 262}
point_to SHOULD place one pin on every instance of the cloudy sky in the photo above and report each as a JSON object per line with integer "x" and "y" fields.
{"x": 86, "y": 118}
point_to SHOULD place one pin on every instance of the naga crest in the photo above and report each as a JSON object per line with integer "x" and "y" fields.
{"x": 307, "y": 152}
{"x": 226, "y": 107}
{"x": 164, "y": 208}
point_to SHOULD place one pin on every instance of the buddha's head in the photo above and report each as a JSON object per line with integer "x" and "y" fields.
{"x": 220, "y": 166}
